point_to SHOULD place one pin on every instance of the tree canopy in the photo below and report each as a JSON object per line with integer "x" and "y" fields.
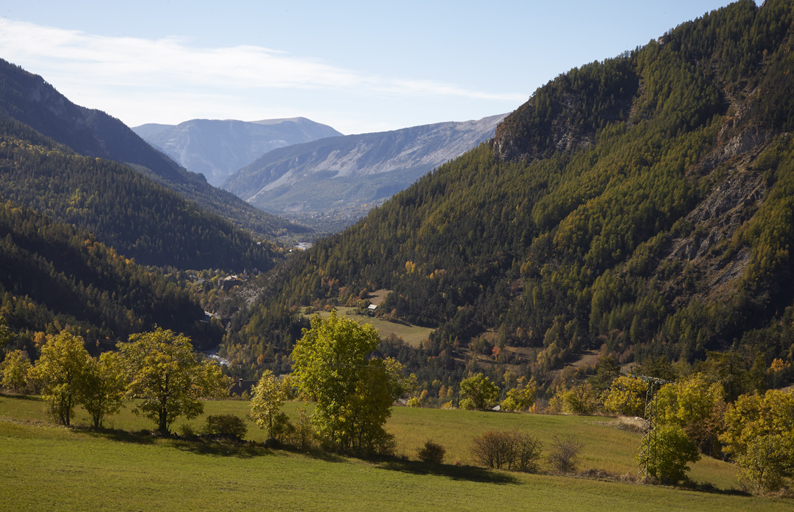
{"x": 167, "y": 377}
{"x": 60, "y": 371}
{"x": 353, "y": 393}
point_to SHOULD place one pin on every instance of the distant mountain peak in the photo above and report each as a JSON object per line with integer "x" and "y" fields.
{"x": 342, "y": 177}
{"x": 217, "y": 148}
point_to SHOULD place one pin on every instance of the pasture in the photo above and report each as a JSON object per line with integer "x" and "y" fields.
{"x": 47, "y": 467}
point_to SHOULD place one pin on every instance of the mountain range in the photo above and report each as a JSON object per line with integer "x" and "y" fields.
{"x": 217, "y": 148}
{"x": 641, "y": 206}
{"x": 346, "y": 176}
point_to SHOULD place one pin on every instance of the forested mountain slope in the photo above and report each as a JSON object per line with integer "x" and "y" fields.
{"x": 32, "y": 101}
{"x": 125, "y": 210}
{"x": 218, "y": 148}
{"x": 54, "y": 277}
{"x": 644, "y": 204}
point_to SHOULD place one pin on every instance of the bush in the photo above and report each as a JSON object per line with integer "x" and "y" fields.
{"x": 432, "y": 453}
{"x": 514, "y": 451}
{"x": 302, "y": 435}
{"x": 186, "y": 430}
{"x": 282, "y": 429}
{"x": 673, "y": 450}
{"x": 564, "y": 454}
{"x": 227, "y": 425}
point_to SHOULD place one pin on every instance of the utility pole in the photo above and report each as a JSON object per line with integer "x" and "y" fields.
{"x": 648, "y": 446}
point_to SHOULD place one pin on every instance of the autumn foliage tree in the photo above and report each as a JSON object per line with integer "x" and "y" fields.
{"x": 668, "y": 457}
{"x": 353, "y": 394}
{"x": 60, "y": 371}
{"x": 697, "y": 406}
{"x": 521, "y": 397}
{"x": 266, "y": 401}
{"x": 15, "y": 369}
{"x": 759, "y": 435}
{"x": 168, "y": 377}
{"x": 626, "y": 396}
{"x": 102, "y": 387}
{"x": 478, "y": 392}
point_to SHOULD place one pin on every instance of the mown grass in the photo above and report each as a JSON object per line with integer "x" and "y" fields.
{"x": 411, "y": 334}
{"x": 46, "y": 467}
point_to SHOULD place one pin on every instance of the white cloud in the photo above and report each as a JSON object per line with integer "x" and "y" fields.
{"x": 173, "y": 64}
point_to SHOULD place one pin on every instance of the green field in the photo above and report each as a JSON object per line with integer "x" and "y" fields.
{"x": 411, "y": 334}
{"x": 46, "y": 467}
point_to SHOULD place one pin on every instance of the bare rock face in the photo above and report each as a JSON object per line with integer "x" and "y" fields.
{"x": 217, "y": 148}
{"x": 717, "y": 218}
{"x": 339, "y": 175}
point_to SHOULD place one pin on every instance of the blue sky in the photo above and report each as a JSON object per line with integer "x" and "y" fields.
{"x": 357, "y": 66}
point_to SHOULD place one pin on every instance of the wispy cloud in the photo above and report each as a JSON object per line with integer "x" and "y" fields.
{"x": 174, "y": 63}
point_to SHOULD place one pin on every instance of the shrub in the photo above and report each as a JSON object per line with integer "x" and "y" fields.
{"x": 281, "y": 430}
{"x": 579, "y": 400}
{"x": 186, "y": 430}
{"x": 227, "y": 425}
{"x": 564, "y": 454}
{"x": 302, "y": 435}
{"x": 431, "y": 453}
{"x": 515, "y": 451}
{"x": 673, "y": 450}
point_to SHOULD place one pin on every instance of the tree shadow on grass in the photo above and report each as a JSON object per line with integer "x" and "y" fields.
{"x": 240, "y": 450}
{"x": 32, "y": 398}
{"x": 711, "y": 489}
{"x": 121, "y": 436}
{"x": 318, "y": 454}
{"x": 468, "y": 473}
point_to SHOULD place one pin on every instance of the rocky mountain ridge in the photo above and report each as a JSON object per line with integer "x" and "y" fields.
{"x": 218, "y": 148}
{"x": 354, "y": 170}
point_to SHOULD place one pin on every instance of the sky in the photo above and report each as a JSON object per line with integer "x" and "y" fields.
{"x": 358, "y": 66}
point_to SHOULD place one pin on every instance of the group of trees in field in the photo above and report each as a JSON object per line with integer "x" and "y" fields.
{"x": 714, "y": 410}
{"x": 158, "y": 369}
{"x": 353, "y": 393}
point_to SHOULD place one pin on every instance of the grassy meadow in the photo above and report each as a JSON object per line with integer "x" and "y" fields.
{"x": 412, "y": 335}
{"x": 48, "y": 467}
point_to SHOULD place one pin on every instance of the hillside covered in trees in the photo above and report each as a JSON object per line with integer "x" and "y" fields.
{"x": 125, "y": 210}
{"x": 30, "y": 100}
{"x": 641, "y": 206}
{"x": 57, "y": 277}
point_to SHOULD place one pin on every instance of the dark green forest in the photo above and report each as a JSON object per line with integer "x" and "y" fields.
{"x": 122, "y": 207}
{"x": 55, "y": 277}
{"x": 641, "y": 206}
